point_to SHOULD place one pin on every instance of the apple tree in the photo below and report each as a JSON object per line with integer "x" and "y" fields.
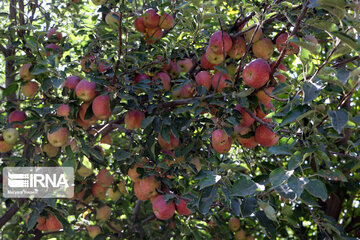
{"x": 183, "y": 119}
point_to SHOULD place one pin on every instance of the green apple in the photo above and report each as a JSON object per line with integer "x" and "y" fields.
{"x": 98, "y": 2}
{"x": 10, "y": 135}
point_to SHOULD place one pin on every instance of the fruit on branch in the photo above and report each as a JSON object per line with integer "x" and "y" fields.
{"x": 53, "y": 224}
{"x": 106, "y": 139}
{"x": 279, "y": 76}
{"x": 53, "y": 33}
{"x": 238, "y": 47}
{"x": 220, "y": 80}
{"x": 204, "y": 78}
{"x": 174, "y": 70}
{"x": 151, "y": 18}
{"x": 256, "y": 73}
{"x": 165, "y": 80}
{"x": 263, "y": 97}
{"x": 311, "y": 39}
{"x": 153, "y": 35}
{"x": 84, "y": 171}
{"x": 182, "y": 209}
{"x": 248, "y": 142}
{"x": 113, "y": 19}
{"x": 166, "y": 21}
{"x": 115, "y": 227}
{"x": 86, "y": 63}
{"x": 10, "y": 135}
{"x": 139, "y": 25}
{"x": 115, "y": 194}
{"x": 85, "y": 90}
{"x": 248, "y": 34}
{"x": 4, "y": 146}
{"x": 30, "y": 88}
{"x": 240, "y": 235}
{"x": 98, "y": 2}
{"x": 41, "y": 224}
{"x": 103, "y": 213}
{"x": 266, "y": 137}
{"x": 133, "y": 119}
{"x": 59, "y": 137}
{"x": 281, "y": 42}
{"x": 196, "y": 162}
{"x": 72, "y": 143}
{"x": 161, "y": 209}
{"x": 219, "y": 137}
{"x": 50, "y": 150}
{"x": 260, "y": 114}
{"x": 187, "y": 91}
{"x": 85, "y": 196}
{"x": 234, "y": 224}
{"x": 139, "y": 77}
{"x": 101, "y": 107}
{"x": 219, "y": 42}
{"x": 71, "y": 82}
{"x": 263, "y": 48}
{"x": 82, "y": 113}
{"x": 223, "y": 148}
{"x": 98, "y": 191}
{"x": 148, "y": 186}
{"x": 185, "y": 65}
{"x": 246, "y": 120}
{"x": 105, "y": 178}
{"x": 103, "y": 67}
{"x": 174, "y": 142}
{"x": 133, "y": 174}
{"x": 139, "y": 193}
{"x": 93, "y": 231}
{"x": 52, "y": 49}
{"x": 205, "y": 63}
{"x": 17, "y": 116}
{"x": 214, "y": 58}
{"x": 63, "y": 110}
{"x": 25, "y": 72}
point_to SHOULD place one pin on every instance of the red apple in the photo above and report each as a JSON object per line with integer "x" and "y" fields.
{"x": 59, "y": 137}
{"x": 86, "y": 63}
{"x": 263, "y": 48}
{"x": 83, "y": 109}
{"x": 151, "y": 18}
{"x": 148, "y": 186}
{"x": 205, "y": 63}
{"x": 256, "y": 73}
{"x": 182, "y": 209}
{"x": 248, "y": 142}
{"x": 204, "y": 78}
{"x": 139, "y": 193}
{"x": 98, "y": 191}
{"x": 53, "y": 224}
{"x": 263, "y": 97}
{"x": 219, "y": 80}
{"x": 4, "y": 146}
{"x": 101, "y": 107}
{"x": 234, "y": 224}
{"x": 30, "y": 88}
{"x": 54, "y": 33}
{"x": 166, "y": 21}
{"x": 25, "y": 72}
{"x": 153, "y": 35}
{"x": 240, "y": 235}
{"x": 238, "y": 48}
{"x": 133, "y": 119}
{"x": 266, "y": 137}
{"x": 280, "y": 77}
{"x": 139, "y": 25}
{"x": 165, "y": 79}
{"x": 174, "y": 142}
{"x": 281, "y": 41}
{"x": 85, "y": 90}
{"x": 103, "y": 213}
{"x": 132, "y": 173}
{"x": 71, "y": 82}
{"x": 174, "y": 70}
{"x": 246, "y": 120}
{"x": 17, "y": 116}
{"x": 185, "y": 65}
{"x": 249, "y": 33}
{"x": 220, "y": 41}
{"x": 219, "y": 137}
{"x": 187, "y": 91}
{"x": 139, "y": 77}
{"x": 214, "y": 58}
{"x": 105, "y": 178}
{"x": 223, "y": 148}
{"x": 63, "y": 110}
{"x": 103, "y": 66}
{"x": 52, "y": 49}
{"x": 106, "y": 139}
{"x": 161, "y": 209}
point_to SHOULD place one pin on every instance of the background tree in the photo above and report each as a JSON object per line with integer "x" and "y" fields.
{"x": 184, "y": 120}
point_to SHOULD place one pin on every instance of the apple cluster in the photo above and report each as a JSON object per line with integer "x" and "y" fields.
{"x": 235, "y": 226}
{"x": 47, "y": 223}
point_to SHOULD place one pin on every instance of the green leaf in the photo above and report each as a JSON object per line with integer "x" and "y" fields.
{"x": 317, "y": 189}
{"x": 297, "y": 185}
{"x": 349, "y": 41}
{"x": 209, "y": 180}
{"x": 121, "y": 154}
{"x": 39, "y": 69}
{"x": 243, "y": 187}
{"x": 296, "y": 114}
{"x": 207, "y": 197}
{"x": 12, "y": 88}
{"x": 311, "y": 91}
{"x": 165, "y": 133}
{"x": 147, "y": 121}
{"x": 332, "y": 175}
{"x": 278, "y": 176}
{"x": 33, "y": 219}
{"x": 338, "y": 119}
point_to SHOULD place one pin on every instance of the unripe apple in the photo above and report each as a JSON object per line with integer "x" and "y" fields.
{"x": 113, "y": 19}
{"x": 30, "y": 88}
{"x": 139, "y": 77}
{"x": 105, "y": 178}
{"x": 63, "y": 110}
{"x": 133, "y": 174}
{"x": 219, "y": 42}
{"x": 219, "y": 81}
{"x": 10, "y": 135}
{"x": 263, "y": 48}
{"x": 174, "y": 142}
{"x": 93, "y": 231}
{"x": 240, "y": 235}
{"x": 115, "y": 227}
{"x": 187, "y": 91}
{"x": 4, "y": 146}
{"x": 103, "y": 213}
{"x": 71, "y": 82}
{"x": 258, "y": 35}
{"x": 266, "y": 137}
{"x": 83, "y": 171}
{"x": 174, "y": 70}
{"x": 101, "y": 107}
{"x": 153, "y": 35}
{"x": 139, "y": 25}
{"x": 148, "y": 186}
{"x": 54, "y": 33}
{"x": 133, "y": 119}
{"x": 234, "y": 224}
{"x": 222, "y": 149}
{"x": 50, "y": 150}
{"x": 17, "y": 116}
{"x": 238, "y": 48}
{"x": 99, "y": 191}
{"x": 205, "y": 63}
{"x": 115, "y": 194}
{"x": 85, "y": 90}
{"x": 83, "y": 109}
{"x": 53, "y": 224}
{"x": 182, "y": 209}
{"x": 165, "y": 79}
{"x": 151, "y": 18}
{"x": 52, "y": 49}
{"x": 98, "y": 2}
{"x": 281, "y": 44}
{"x": 59, "y": 137}
{"x": 86, "y": 63}
{"x": 166, "y": 21}
{"x": 161, "y": 209}
{"x": 263, "y": 97}
{"x": 256, "y": 73}
{"x": 280, "y": 77}
{"x": 25, "y": 72}
{"x": 204, "y": 78}
{"x": 214, "y": 58}
{"x": 185, "y": 65}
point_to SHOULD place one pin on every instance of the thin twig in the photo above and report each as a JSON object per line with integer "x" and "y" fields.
{"x": 274, "y": 97}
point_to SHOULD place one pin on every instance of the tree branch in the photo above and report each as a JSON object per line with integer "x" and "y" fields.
{"x": 12, "y": 211}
